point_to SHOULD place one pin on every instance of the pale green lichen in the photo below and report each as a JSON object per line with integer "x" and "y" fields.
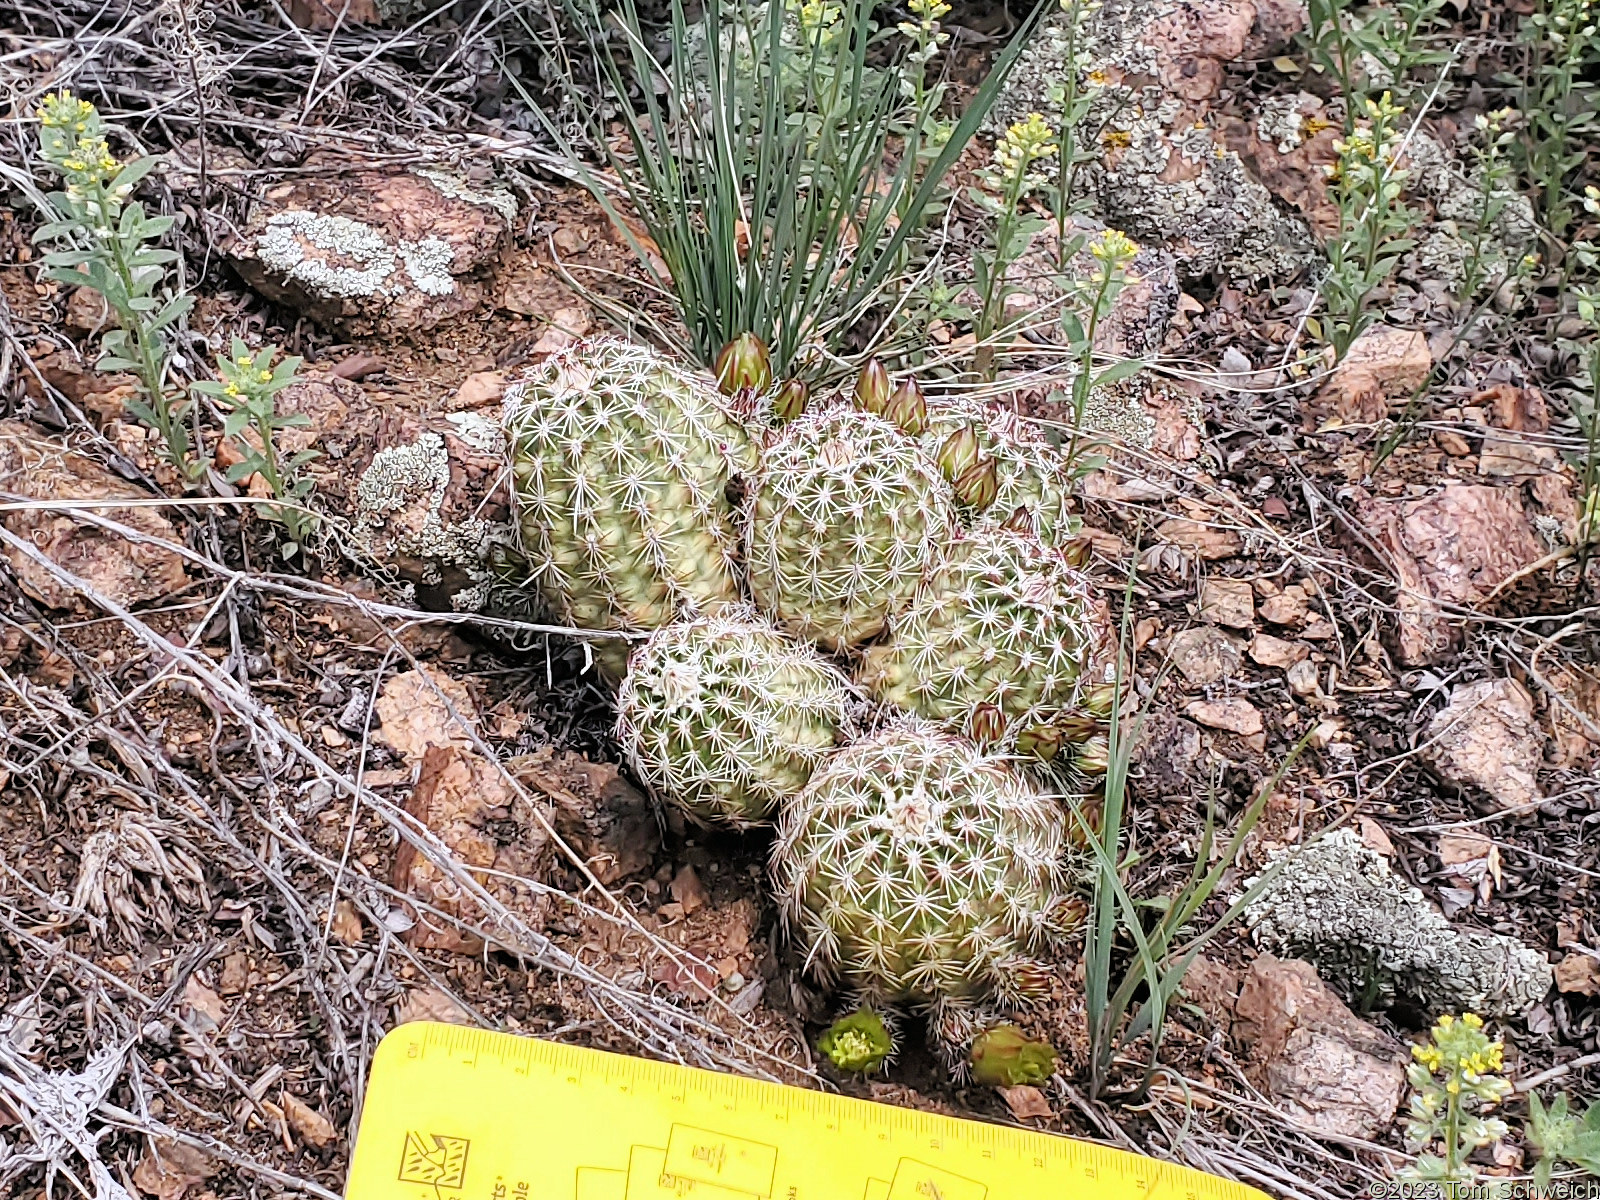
{"x": 355, "y": 260}
{"x": 1280, "y": 121}
{"x": 1220, "y": 217}
{"x": 1459, "y": 203}
{"x": 1376, "y": 938}
{"x": 497, "y": 198}
{"x": 1115, "y": 411}
{"x": 401, "y": 477}
{"x": 478, "y": 432}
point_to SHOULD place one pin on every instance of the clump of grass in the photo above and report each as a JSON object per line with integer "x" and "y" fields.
{"x": 1128, "y": 1005}
{"x": 780, "y": 208}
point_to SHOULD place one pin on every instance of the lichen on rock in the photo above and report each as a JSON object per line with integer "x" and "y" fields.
{"x": 374, "y": 252}
{"x": 1377, "y": 939}
{"x": 417, "y": 475}
{"x": 284, "y": 247}
{"x": 1461, "y": 205}
{"x": 502, "y": 201}
{"x": 1163, "y": 174}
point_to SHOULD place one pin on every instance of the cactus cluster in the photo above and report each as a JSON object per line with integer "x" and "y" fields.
{"x": 917, "y": 869}
{"x": 743, "y": 536}
{"x": 846, "y": 517}
{"x": 1004, "y": 637}
{"x": 727, "y": 716}
{"x": 621, "y": 463}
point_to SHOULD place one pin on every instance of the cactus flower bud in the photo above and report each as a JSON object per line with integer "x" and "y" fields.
{"x": 958, "y": 453}
{"x": 978, "y": 485}
{"x": 790, "y": 401}
{"x": 1076, "y": 726}
{"x": 1041, "y": 741}
{"x": 1101, "y": 699}
{"x": 1006, "y": 1057}
{"x": 908, "y": 409}
{"x": 1078, "y": 550}
{"x": 858, "y": 1043}
{"x": 986, "y": 724}
{"x": 744, "y": 363}
{"x": 1094, "y": 756}
{"x": 1020, "y": 521}
{"x": 872, "y": 388}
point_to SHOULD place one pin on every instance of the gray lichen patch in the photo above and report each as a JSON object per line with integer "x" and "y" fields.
{"x": 400, "y": 501}
{"x": 1377, "y": 939}
{"x": 478, "y": 432}
{"x": 1114, "y": 411}
{"x": 337, "y": 256}
{"x": 1281, "y": 121}
{"x": 497, "y": 198}
{"x": 1493, "y": 225}
{"x": 1162, "y": 174}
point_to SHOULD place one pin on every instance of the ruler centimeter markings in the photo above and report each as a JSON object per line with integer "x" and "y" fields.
{"x": 464, "y": 1114}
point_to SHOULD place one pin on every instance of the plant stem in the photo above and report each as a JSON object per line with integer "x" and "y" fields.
{"x": 150, "y": 362}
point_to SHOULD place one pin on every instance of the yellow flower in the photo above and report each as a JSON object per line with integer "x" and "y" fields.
{"x": 231, "y": 390}
{"x": 1470, "y": 1020}
{"x": 264, "y": 376}
{"x": 1114, "y": 246}
{"x": 1098, "y": 78}
{"x": 1117, "y": 138}
{"x": 1024, "y": 144}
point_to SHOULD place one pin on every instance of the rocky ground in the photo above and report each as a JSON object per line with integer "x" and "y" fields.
{"x": 255, "y": 812}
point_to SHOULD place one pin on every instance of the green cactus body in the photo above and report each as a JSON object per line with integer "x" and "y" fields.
{"x": 917, "y": 869}
{"x": 846, "y": 519}
{"x": 1032, "y": 473}
{"x": 1003, "y": 627}
{"x": 726, "y": 716}
{"x": 621, "y": 462}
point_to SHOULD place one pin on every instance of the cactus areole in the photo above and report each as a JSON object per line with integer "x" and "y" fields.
{"x": 916, "y": 869}
{"x": 621, "y": 462}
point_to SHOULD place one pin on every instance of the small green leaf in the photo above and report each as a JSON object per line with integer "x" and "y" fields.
{"x": 1125, "y": 369}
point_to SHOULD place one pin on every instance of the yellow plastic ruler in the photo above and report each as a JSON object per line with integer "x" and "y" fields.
{"x": 461, "y": 1114}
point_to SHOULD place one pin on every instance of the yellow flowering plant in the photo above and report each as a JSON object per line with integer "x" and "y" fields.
{"x": 1074, "y": 95}
{"x": 248, "y": 383}
{"x": 1009, "y": 180}
{"x": 1456, "y": 1077}
{"x": 1558, "y": 99}
{"x": 1368, "y": 185}
{"x": 108, "y": 247}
